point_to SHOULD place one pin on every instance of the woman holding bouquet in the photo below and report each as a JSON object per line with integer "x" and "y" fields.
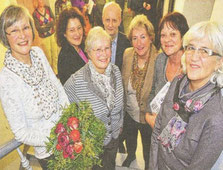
{"x": 99, "y": 82}
{"x": 190, "y": 119}
{"x": 30, "y": 93}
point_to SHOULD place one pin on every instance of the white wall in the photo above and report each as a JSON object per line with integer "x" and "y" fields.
{"x": 217, "y": 14}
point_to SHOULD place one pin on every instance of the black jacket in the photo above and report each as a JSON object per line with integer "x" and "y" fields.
{"x": 69, "y": 61}
{"x": 122, "y": 44}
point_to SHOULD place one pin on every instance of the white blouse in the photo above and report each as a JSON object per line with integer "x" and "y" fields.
{"x": 21, "y": 106}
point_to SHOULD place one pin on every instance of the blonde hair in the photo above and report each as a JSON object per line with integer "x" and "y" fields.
{"x": 141, "y": 21}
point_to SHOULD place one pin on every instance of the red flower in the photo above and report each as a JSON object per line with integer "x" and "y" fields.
{"x": 73, "y": 123}
{"x": 176, "y": 106}
{"x": 63, "y": 140}
{"x": 58, "y": 147}
{"x": 78, "y": 146}
{"x": 75, "y": 135}
{"x": 69, "y": 149}
{"x": 60, "y": 128}
{"x": 65, "y": 154}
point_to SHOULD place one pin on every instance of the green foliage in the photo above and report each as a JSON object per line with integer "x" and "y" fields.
{"x": 92, "y": 132}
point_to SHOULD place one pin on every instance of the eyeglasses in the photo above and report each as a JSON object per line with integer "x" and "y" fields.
{"x": 204, "y": 52}
{"x": 100, "y": 51}
{"x": 16, "y": 32}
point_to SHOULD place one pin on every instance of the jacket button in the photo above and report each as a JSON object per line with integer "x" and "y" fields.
{"x": 109, "y": 123}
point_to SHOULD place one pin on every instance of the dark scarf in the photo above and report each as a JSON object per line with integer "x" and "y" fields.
{"x": 185, "y": 104}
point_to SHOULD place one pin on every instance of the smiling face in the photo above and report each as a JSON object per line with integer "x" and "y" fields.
{"x": 141, "y": 41}
{"x": 200, "y": 68}
{"x": 20, "y": 38}
{"x": 111, "y": 20}
{"x": 170, "y": 39}
{"x": 100, "y": 54}
{"x": 74, "y": 32}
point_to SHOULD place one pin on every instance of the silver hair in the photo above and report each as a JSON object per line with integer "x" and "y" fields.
{"x": 95, "y": 34}
{"x": 214, "y": 32}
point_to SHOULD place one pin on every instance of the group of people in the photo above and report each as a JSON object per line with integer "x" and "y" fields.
{"x": 173, "y": 98}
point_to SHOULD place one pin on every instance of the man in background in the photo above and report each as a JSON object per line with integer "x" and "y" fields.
{"x": 111, "y": 18}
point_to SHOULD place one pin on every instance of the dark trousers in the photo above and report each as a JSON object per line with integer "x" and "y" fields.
{"x": 43, "y": 162}
{"x": 109, "y": 156}
{"x": 132, "y": 128}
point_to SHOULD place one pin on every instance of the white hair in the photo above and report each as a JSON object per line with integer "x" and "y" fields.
{"x": 214, "y": 32}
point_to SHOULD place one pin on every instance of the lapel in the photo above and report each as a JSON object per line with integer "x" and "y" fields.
{"x": 93, "y": 88}
{"x": 128, "y": 66}
{"x": 149, "y": 74}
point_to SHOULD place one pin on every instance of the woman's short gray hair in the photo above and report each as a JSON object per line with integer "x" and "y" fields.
{"x": 214, "y": 32}
{"x": 141, "y": 21}
{"x": 11, "y": 15}
{"x": 96, "y": 34}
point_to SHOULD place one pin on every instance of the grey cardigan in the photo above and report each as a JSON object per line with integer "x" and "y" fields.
{"x": 79, "y": 87}
{"x": 159, "y": 78}
{"x": 200, "y": 146}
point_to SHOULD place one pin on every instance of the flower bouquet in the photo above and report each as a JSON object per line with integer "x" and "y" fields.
{"x": 77, "y": 139}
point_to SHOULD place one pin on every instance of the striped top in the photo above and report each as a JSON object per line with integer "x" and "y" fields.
{"x": 79, "y": 87}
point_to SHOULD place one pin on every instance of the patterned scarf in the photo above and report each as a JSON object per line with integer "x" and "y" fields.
{"x": 103, "y": 82}
{"x": 185, "y": 104}
{"x": 138, "y": 76}
{"x": 44, "y": 91}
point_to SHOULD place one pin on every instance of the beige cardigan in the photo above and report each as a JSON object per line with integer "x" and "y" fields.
{"x": 126, "y": 73}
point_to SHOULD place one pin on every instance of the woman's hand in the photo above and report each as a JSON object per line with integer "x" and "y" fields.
{"x": 150, "y": 119}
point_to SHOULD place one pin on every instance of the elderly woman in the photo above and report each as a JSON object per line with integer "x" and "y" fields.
{"x": 190, "y": 120}
{"x": 172, "y": 28}
{"x": 30, "y": 93}
{"x": 70, "y": 36}
{"x": 100, "y": 83}
{"x": 137, "y": 73}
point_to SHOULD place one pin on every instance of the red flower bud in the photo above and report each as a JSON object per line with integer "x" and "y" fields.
{"x": 63, "y": 140}
{"x": 73, "y": 123}
{"x": 78, "y": 146}
{"x": 75, "y": 135}
{"x": 65, "y": 154}
{"x": 58, "y": 147}
{"x": 60, "y": 128}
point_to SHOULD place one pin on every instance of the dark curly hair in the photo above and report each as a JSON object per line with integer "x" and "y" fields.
{"x": 176, "y": 20}
{"x": 65, "y": 15}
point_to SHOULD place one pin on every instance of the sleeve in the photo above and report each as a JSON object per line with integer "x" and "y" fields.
{"x": 153, "y": 161}
{"x": 64, "y": 70}
{"x": 14, "y": 110}
{"x": 62, "y": 95}
{"x": 209, "y": 146}
{"x": 152, "y": 92}
{"x": 52, "y": 23}
{"x": 70, "y": 89}
{"x": 122, "y": 93}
